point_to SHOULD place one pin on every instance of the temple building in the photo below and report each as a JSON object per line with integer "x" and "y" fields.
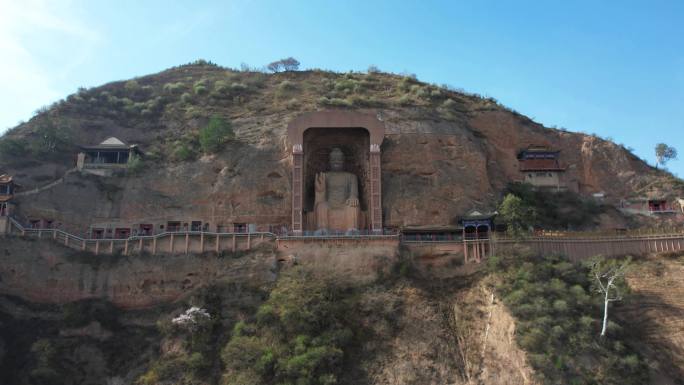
{"x": 7, "y": 188}
{"x": 648, "y": 206}
{"x": 541, "y": 168}
{"x": 109, "y": 155}
{"x": 477, "y": 225}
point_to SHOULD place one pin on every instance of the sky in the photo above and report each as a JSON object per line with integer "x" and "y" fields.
{"x": 613, "y": 68}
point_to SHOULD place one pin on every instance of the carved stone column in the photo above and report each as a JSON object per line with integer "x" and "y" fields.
{"x": 375, "y": 190}
{"x": 297, "y": 187}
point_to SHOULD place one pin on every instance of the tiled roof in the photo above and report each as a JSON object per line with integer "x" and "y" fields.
{"x": 110, "y": 143}
{"x": 4, "y": 179}
{"x": 540, "y": 165}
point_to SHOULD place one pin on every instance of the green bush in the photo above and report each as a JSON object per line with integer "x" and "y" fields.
{"x": 186, "y": 98}
{"x": 299, "y": 336}
{"x": 286, "y": 86}
{"x": 364, "y": 101}
{"x": 449, "y": 104}
{"x": 132, "y": 86}
{"x": 200, "y": 87}
{"x": 334, "y": 102}
{"x": 135, "y": 165}
{"x": 292, "y": 104}
{"x": 216, "y": 133}
{"x": 174, "y": 88}
{"x": 12, "y": 148}
{"x": 563, "y": 210}
{"x": 558, "y": 324}
{"x": 183, "y": 152}
{"x": 346, "y": 86}
{"x": 50, "y": 140}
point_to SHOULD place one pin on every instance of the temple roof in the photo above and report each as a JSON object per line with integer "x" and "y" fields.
{"x": 5, "y": 179}
{"x": 540, "y": 165}
{"x": 538, "y": 148}
{"x": 430, "y": 228}
{"x": 111, "y": 143}
{"x": 477, "y": 215}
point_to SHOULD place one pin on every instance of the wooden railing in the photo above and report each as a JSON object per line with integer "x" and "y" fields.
{"x": 167, "y": 242}
{"x": 574, "y": 245}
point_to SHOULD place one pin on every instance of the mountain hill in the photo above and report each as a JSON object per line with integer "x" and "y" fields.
{"x": 445, "y": 152}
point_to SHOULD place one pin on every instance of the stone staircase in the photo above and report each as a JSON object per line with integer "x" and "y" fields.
{"x": 47, "y": 186}
{"x": 657, "y": 308}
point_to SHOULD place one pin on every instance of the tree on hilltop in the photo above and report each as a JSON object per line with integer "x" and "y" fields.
{"x": 664, "y": 153}
{"x": 287, "y": 64}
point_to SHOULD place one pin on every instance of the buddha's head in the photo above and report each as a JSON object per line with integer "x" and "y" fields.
{"x": 336, "y": 159}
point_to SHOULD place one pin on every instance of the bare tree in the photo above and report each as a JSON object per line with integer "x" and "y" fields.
{"x": 275, "y": 66}
{"x": 287, "y": 64}
{"x": 664, "y": 153}
{"x": 290, "y": 64}
{"x": 609, "y": 275}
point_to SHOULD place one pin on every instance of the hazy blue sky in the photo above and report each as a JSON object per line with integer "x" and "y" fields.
{"x": 615, "y": 68}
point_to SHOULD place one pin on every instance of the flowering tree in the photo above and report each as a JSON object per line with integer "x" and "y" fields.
{"x": 193, "y": 319}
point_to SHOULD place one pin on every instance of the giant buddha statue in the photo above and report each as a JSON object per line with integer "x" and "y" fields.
{"x": 337, "y": 197}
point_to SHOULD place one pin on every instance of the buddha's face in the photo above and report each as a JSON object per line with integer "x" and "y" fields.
{"x": 336, "y": 160}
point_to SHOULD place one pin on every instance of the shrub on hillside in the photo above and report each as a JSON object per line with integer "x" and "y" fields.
{"x": 364, "y": 101}
{"x": 299, "y": 336}
{"x": 174, "y": 88}
{"x": 564, "y": 210}
{"x": 49, "y": 140}
{"x": 11, "y": 148}
{"x": 135, "y": 165}
{"x": 183, "y": 152}
{"x": 558, "y": 322}
{"x": 334, "y": 102}
{"x": 373, "y": 69}
{"x": 132, "y": 86}
{"x": 200, "y": 87}
{"x": 519, "y": 216}
{"x": 186, "y": 98}
{"x": 286, "y": 86}
{"x": 216, "y": 133}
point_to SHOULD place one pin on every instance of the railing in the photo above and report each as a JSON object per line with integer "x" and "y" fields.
{"x": 358, "y": 234}
{"x": 68, "y": 239}
{"x": 569, "y": 243}
{"x": 597, "y": 238}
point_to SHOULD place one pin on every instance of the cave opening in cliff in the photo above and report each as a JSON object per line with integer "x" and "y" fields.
{"x": 318, "y": 144}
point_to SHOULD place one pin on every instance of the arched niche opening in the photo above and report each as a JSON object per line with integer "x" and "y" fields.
{"x": 318, "y": 143}
{"x": 358, "y": 135}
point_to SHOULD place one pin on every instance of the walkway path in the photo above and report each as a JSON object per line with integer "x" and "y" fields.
{"x": 47, "y": 186}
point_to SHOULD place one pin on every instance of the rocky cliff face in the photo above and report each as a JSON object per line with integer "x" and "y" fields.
{"x": 43, "y": 272}
{"x": 444, "y": 152}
